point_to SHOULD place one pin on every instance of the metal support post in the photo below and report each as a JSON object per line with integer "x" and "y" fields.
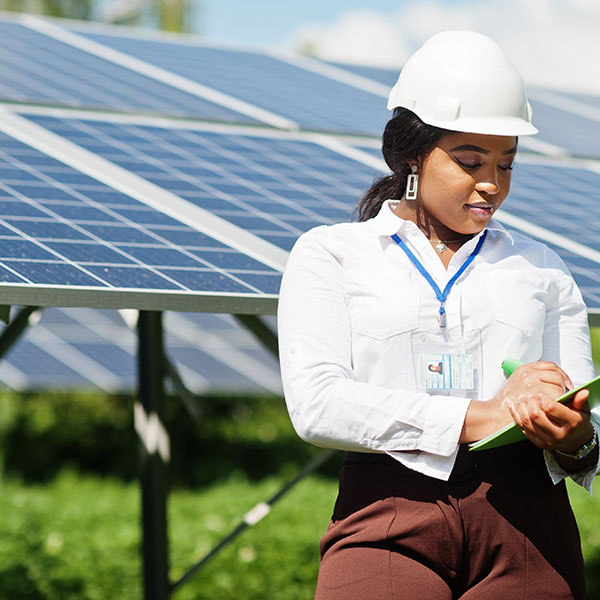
{"x": 154, "y": 455}
{"x": 13, "y": 331}
{"x": 261, "y": 331}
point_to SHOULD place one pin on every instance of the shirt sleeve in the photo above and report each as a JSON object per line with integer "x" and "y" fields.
{"x": 567, "y": 342}
{"x": 583, "y": 478}
{"x": 327, "y": 405}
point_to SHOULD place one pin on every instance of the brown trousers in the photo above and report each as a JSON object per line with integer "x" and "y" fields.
{"x": 498, "y": 530}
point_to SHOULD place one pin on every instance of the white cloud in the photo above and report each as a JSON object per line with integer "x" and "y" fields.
{"x": 554, "y": 43}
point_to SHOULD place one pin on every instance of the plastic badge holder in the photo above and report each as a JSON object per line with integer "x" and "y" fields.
{"x": 512, "y": 433}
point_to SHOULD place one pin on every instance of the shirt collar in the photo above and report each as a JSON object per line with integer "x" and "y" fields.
{"x": 386, "y": 223}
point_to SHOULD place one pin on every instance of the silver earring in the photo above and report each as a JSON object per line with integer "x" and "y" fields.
{"x": 411, "y": 184}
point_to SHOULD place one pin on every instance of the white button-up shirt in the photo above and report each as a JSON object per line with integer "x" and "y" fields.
{"x": 354, "y": 312}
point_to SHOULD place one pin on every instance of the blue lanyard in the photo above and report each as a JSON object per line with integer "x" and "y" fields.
{"x": 441, "y": 296}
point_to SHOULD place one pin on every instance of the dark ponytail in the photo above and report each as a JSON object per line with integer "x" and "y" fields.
{"x": 405, "y": 138}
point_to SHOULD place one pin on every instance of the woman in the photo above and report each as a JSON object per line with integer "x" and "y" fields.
{"x": 392, "y": 333}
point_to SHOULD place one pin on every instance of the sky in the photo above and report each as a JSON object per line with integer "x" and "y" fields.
{"x": 553, "y": 43}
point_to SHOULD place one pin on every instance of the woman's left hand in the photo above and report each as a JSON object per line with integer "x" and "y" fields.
{"x": 552, "y": 425}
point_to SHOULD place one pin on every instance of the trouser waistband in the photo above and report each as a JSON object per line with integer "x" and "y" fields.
{"x": 467, "y": 464}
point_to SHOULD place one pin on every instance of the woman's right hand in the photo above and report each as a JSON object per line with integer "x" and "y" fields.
{"x": 533, "y": 386}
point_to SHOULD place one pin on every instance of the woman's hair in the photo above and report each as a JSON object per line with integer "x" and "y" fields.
{"x": 405, "y": 138}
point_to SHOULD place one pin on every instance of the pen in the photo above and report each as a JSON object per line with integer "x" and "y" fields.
{"x": 510, "y": 364}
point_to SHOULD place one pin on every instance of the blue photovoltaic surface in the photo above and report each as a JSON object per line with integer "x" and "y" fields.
{"x": 274, "y": 188}
{"x": 312, "y": 100}
{"x": 577, "y": 134}
{"x": 60, "y": 227}
{"x": 380, "y": 74}
{"x": 580, "y": 101}
{"x": 82, "y": 347}
{"x": 561, "y": 199}
{"x": 38, "y": 69}
{"x": 588, "y": 99}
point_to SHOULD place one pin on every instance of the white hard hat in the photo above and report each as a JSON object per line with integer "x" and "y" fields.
{"x": 462, "y": 81}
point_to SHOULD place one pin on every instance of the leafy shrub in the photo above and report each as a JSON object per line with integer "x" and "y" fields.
{"x": 93, "y": 433}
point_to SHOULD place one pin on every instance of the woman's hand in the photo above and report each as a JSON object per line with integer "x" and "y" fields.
{"x": 529, "y": 399}
{"x": 531, "y": 393}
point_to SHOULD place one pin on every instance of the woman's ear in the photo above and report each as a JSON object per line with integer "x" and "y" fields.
{"x": 415, "y": 161}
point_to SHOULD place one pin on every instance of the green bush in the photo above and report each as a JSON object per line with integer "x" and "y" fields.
{"x": 93, "y": 433}
{"x": 43, "y": 433}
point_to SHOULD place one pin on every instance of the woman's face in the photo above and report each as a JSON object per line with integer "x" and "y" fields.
{"x": 464, "y": 179}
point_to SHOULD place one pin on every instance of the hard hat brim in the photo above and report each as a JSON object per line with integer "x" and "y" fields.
{"x": 486, "y": 126}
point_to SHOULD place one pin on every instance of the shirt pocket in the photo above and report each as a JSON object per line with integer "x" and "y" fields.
{"x": 381, "y": 304}
{"x": 519, "y": 301}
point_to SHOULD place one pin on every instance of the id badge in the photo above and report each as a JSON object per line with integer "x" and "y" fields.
{"x": 445, "y": 372}
{"x": 447, "y": 362}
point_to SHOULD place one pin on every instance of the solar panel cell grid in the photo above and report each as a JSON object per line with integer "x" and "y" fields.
{"x": 36, "y": 68}
{"x": 48, "y": 368}
{"x": 271, "y": 187}
{"x": 588, "y": 99}
{"x": 310, "y": 99}
{"x": 380, "y": 74}
{"x": 94, "y": 348}
{"x": 577, "y": 134}
{"x": 557, "y": 198}
{"x": 64, "y": 228}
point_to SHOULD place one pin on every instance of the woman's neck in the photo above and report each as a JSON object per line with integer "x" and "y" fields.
{"x": 444, "y": 240}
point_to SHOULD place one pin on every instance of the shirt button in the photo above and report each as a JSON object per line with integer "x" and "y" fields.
{"x": 293, "y": 350}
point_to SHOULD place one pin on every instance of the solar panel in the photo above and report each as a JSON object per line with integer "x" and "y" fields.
{"x": 59, "y": 227}
{"x": 383, "y": 75}
{"x": 577, "y": 133}
{"x": 590, "y": 100}
{"x": 38, "y": 69}
{"x": 91, "y": 348}
{"x": 275, "y": 187}
{"x": 311, "y": 99}
{"x": 558, "y": 198}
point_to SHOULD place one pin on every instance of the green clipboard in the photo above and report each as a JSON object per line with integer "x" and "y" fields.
{"x": 512, "y": 433}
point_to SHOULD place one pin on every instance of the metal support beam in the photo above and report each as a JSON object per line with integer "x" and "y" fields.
{"x": 189, "y": 399}
{"x": 261, "y": 331}
{"x": 13, "y": 331}
{"x": 154, "y": 455}
{"x": 256, "y": 514}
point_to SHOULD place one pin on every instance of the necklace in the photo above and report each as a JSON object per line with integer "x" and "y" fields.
{"x": 442, "y": 245}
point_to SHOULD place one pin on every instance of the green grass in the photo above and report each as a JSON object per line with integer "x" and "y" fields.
{"x": 78, "y": 538}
